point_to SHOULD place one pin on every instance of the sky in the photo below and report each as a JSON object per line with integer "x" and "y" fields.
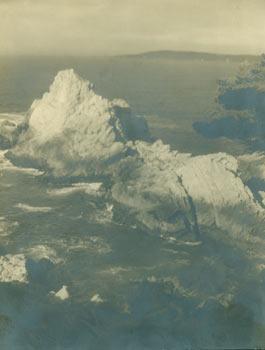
{"x": 109, "y": 27}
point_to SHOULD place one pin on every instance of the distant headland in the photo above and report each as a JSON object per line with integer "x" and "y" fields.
{"x": 191, "y": 55}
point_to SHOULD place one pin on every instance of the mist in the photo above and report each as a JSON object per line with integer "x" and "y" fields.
{"x": 109, "y": 27}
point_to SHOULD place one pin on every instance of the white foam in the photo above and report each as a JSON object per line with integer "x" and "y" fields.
{"x": 102, "y": 215}
{"x": 93, "y": 243}
{"x": 176, "y": 241}
{"x": 31, "y": 209}
{"x": 116, "y": 270}
{"x": 93, "y": 189}
{"x": 39, "y": 252}
{"x": 6, "y": 165}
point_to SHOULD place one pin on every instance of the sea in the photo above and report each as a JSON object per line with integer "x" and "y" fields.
{"x": 96, "y": 284}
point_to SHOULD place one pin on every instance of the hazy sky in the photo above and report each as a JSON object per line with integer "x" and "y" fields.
{"x": 81, "y": 27}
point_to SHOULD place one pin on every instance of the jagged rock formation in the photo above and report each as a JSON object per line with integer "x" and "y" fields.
{"x": 72, "y": 130}
{"x": 240, "y": 114}
{"x": 170, "y": 191}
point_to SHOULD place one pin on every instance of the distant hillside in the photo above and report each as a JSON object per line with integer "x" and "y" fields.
{"x": 186, "y": 55}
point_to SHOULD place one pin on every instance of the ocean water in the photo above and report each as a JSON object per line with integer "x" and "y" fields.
{"x": 129, "y": 289}
{"x": 172, "y": 94}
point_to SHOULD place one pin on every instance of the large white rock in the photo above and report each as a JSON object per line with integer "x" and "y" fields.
{"x": 220, "y": 197}
{"x": 74, "y": 131}
{"x": 169, "y": 191}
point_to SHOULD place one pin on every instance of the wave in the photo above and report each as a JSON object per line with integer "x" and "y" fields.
{"x": 94, "y": 189}
{"x": 30, "y": 209}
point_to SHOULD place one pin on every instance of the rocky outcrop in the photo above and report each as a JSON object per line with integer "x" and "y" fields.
{"x": 13, "y": 268}
{"x": 171, "y": 191}
{"x": 74, "y": 131}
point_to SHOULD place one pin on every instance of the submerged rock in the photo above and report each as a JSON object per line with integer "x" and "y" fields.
{"x": 13, "y": 268}
{"x": 96, "y": 299}
{"x": 11, "y": 126}
{"x": 61, "y": 294}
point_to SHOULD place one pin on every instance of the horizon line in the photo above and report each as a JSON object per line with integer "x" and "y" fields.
{"x": 131, "y": 54}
